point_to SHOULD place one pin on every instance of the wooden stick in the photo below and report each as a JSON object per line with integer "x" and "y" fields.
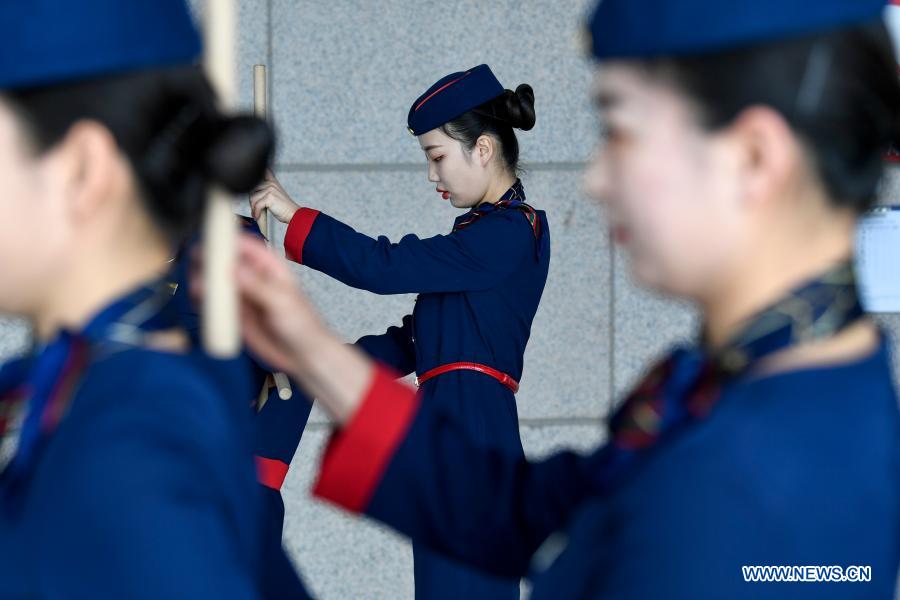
{"x": 263, "y": 395}
{"x": 284, "y": 386}
{"x": 260, "y": 92}
{"x": 221, "y": 334}
{"x": 261, "y": 108}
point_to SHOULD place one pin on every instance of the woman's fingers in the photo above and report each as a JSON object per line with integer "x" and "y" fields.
{"x": 264, "y": 292}
{"x": 256, "y": 206}
{"x": 266, "y": 281}
{"x": 260, "y": 203}
{"x": 261, "y": 190}
{"x": 279, "y": 319}
{"x": 267, "y": 184}
{"x": 257, "y": 255}
{"x": 254, "y": 287}
{"x": 262, "y": 340}
{"x": 275, "y": 200}
{"x": 276, "y": 318}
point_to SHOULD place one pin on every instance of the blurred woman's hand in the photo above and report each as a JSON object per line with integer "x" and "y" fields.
{"x": 279, "y": 323}
{"x": 281, "y": 327}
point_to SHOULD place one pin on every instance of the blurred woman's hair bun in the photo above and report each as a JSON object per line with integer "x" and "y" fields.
{"x": 238, "y": 155}
{"x": 166, "y": 122}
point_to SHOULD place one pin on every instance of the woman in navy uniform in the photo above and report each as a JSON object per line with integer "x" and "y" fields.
{"x": 737, "y": 158}
{"x": 479, "y": 286}
{"x": 127, "y": 467}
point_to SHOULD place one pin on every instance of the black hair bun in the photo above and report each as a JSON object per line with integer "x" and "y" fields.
{"x": 239, "y": 153}
{"x": 197, "y": 149}
{"x": 520, "y": 107}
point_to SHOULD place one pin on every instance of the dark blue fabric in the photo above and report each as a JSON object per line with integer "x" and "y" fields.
{"x": 280, "y": 579}
{"x": 146, "y": 489}
{"x": 622, "y": 29}
{"x": 798, "y": 468}
{"x": 278, "y": 428}
{"x": 124, "y": 321}
{"x": 686, "y": 386}
{"x": 51, "y": 41}
{"x": 479, "y": 289}
{"x": 451, "y": 96}
{"x": 36, "y": 378}
{"x": 280, "y": 424}
{"x": 395, "y": 347}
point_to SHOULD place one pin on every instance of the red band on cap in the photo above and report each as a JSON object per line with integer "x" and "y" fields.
{"x": 437, "y": 91}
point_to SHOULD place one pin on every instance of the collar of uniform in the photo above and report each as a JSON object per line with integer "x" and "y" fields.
{"x": 515, "y": 194}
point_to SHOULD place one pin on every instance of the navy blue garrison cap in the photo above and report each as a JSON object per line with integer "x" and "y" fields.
{"x": 649, "y": 28}
{"x": 52, "y": 41}
{"x": 451, "y": 96}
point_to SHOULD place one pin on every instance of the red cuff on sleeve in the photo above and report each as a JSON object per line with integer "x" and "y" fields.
{"x": 358, "y": 455}
{"x": 297, "y": 232}
{"x": 271, "y": 472}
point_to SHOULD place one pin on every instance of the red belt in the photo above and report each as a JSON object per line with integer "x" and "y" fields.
{"x": 500, "y": 376}
{"x": 271, "y": 472}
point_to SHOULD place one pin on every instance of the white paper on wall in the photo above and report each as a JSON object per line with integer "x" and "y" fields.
{"x": 878, "y": 259}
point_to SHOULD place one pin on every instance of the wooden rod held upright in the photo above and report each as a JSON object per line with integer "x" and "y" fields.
{"x": 261, "y": 108}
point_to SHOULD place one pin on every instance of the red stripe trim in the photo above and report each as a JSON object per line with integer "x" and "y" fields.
{"x": 500, "y": 376}
{"x": 358, "y": 455}
{"x": 895, "y": 2}
{"x": 438, "y": 91}
{"x": 297, "y": 232}
{"x": 64, "y": 387}
{"x": 271, "y": 472}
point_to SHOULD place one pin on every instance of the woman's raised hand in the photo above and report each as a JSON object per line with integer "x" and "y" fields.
{"x": 271, "y": 195}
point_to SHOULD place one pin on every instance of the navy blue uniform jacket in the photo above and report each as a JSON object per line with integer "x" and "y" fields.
{"x": 798, "y": 468}
{"x": 146, "y": 489}
{"x": 479, "y": 289}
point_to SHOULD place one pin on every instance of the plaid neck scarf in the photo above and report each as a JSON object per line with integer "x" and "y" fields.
{"x": 685, "y": 387}
{"x": 514, "y": 198}
{"x": 35, "y": 391}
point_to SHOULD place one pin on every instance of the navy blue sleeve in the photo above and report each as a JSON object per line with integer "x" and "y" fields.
{"x": 164, "y": 483}
{"x": 480, "y": 506}
{"x": 410, "y": 466}
{"x": 475, "y": 258}
{"x": 395, "y": 347}
{"x": 280, "y": 424}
